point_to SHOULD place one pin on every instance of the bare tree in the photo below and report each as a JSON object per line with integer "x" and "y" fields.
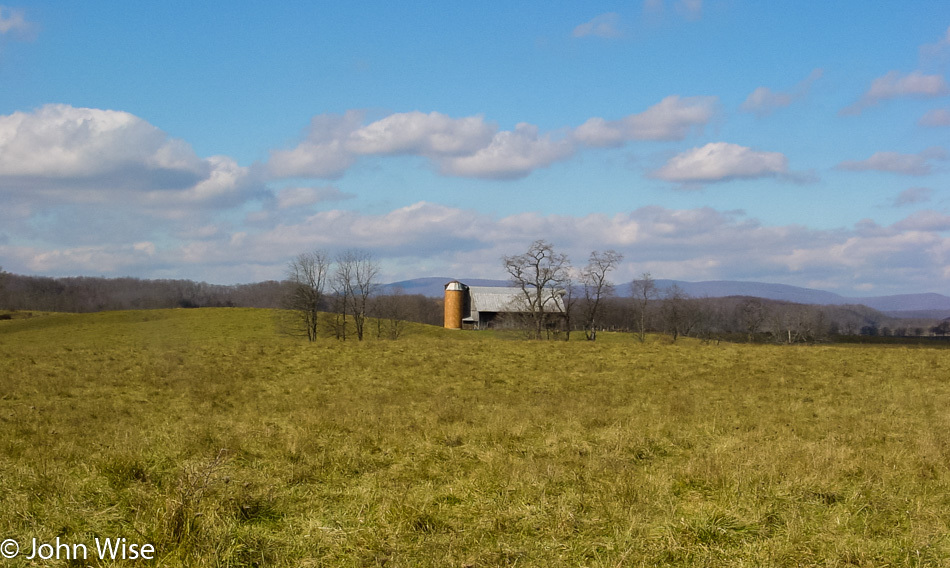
{"x": 751, "y": 314}
{"x": 597, "y": 288}
{"x": 355, "y": 282}
{"x": 391, "y": 312}
{"x": 307, "y": 275}
{"x": 644, "y": 292}
{"x": 343, "y": 285}
{"x": 541, "y": 275}
{"x": 793, "y": 323}
{"x": 697, "y": 316}
{"x": 569, "y": 301}
{"x": 942, "y": 329}
{"x": 673, "y": 310}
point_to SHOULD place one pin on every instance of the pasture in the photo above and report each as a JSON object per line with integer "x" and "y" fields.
{"x": 222, "y": 443}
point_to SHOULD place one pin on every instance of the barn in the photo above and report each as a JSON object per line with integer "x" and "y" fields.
{"x": 482, "y": 307}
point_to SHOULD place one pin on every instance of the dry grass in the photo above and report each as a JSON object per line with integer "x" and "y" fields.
{"x": 224, "y": 444}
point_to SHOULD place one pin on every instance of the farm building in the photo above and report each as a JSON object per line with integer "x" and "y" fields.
{"x": 480, "y": 307}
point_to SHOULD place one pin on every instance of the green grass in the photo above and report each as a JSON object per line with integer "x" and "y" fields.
{"x": 222, "y": 443}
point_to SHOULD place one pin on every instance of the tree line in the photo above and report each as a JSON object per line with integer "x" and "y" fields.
{"x": 82, "y": 294}
{"x": 94, "y": 294}
{"x": 556, "y": 298}
{"x": 341, "y": 297}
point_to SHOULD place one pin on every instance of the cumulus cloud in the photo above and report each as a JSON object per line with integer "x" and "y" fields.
{"x": 66, "y": 154}
{"x": 511, "y": 155}
{"x": 942, "y": 45}
{"x": 895, "y": 85}
{"x": 473, "y": 147}
{"x": 60, "y": 142}
{"x": 425, "y": 231}
{"x": 432, "y": 134}
{"x": 914, "y": 84}
{"x": 99, "y": 259}
{"x": 90, "y": 177}
{"x": 13, "y": 21}
{"x": 764, "y": 101}
{"x": 935, "y": 117}
{"x": 926, "y": 220}
{"x": 604, "y": 26}
{"x": 334, "y": 143}
{"x": 913, "y": 195}
{"x": 722, "y": 161}
{"x": 673, "y": 118}
{"x": 322, "y": 154}
{"x": 692, "y": 9}
{"x": 304, "y": 196}
{"x": 653, "y": 6}
{"x": 894, "y": 162}
{"x": 693, "y": 244}
{"x": 429, "y": 239}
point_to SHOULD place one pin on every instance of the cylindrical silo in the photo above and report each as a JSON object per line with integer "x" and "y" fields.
{"x": 454, "y": 304}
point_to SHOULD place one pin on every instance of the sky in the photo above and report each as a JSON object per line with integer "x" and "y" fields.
{"x": 785, "y": 142}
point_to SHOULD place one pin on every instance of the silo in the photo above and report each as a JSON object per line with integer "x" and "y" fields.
{"x": 454, "y": 304}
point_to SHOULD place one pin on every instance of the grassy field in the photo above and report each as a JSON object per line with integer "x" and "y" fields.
{"x": 222, "y": 443}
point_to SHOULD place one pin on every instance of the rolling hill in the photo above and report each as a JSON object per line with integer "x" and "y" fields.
{"x": 901, "y": 305}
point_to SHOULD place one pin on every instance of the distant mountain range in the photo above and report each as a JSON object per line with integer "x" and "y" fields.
{"x": 929, "y": 305}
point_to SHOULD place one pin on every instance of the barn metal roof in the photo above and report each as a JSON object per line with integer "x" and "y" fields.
{"x": 503, "y": 299}
{"x": 493, "y": 298}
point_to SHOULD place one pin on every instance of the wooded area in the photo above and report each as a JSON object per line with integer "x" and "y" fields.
{"x": 643, "y": 309}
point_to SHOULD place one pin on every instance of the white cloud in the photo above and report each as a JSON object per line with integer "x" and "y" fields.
{"x": 472, "y": 147}
{"x": 721, "y": 161}
{"x": 223, "y": 184}
{"x": 935, "y": 117}
{"x": 653, "y": 6}
{"x": 90, "y": 177}
{"x": 931, "y": 50}
{"x": 692, "y": 9}
{"x": 604, "y": 26}
{"x": 895, "y": 85}
{"x": 511, "y": 155}
{"x": 913, "y": 195}
{"x": 894, "y": 162}
{"x": 432, "y": 134}
{"x": 103, "y": 259}
{"x": 322, "y": 154}
{"x": 693, "y": 244}
{"x": 926, "y": 220}
{"x": 311, "y": 160}
{"x": 63, "y": 142}
{"x": 673, "y": 118}
{"x": 304, "y": 196}
{"x": 914, "y": 84}
{"x": 12, "y": 20}
{"x": 763, "y": 100}
{"x": 334, "y": 143}
{"x": 428, "y": 239}
{"x": 60, "y": 153}
{"x": 598, "y": 132}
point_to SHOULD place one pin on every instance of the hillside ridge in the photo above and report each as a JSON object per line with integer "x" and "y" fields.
{"x": 924, "y": 302}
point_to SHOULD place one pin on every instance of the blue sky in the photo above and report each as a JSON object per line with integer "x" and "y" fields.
{"x": 702, "y": 139}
